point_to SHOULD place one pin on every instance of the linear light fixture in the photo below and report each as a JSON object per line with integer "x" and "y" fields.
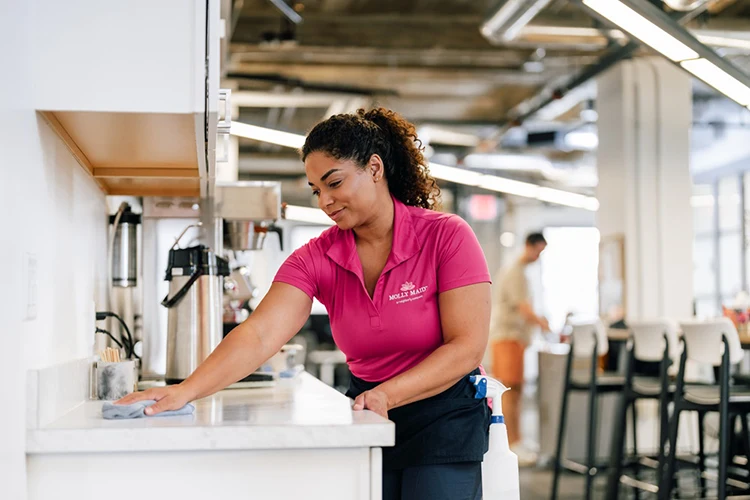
{"x": 264, "y": 134}
{"x": 438, "y": 171}
{"x": 642, "y": 28}
{"x": 644, "y": 21}
{"x": 307, "y": 214}
{"x": 720, "y": 80}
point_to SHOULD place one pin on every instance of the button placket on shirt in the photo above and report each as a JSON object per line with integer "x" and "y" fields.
{"x": 376, "y": 303}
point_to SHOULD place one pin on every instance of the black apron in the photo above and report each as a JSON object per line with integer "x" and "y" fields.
{"x": 450, "y": 427}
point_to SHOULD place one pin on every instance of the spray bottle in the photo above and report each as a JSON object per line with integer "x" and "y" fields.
{"x": 500, "y": 465}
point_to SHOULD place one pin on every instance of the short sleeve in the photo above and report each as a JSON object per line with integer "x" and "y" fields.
{"x": 461, "y": 261}
{"x": 298, "y": 270}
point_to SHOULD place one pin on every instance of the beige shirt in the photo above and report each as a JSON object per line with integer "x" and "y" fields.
{"x": 510, "y": 291}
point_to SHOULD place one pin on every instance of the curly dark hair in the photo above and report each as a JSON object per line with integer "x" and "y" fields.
{"x": 383, "y": 132}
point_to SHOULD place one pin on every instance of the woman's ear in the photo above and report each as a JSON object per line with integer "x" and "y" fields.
{"x": 376, "y": 168}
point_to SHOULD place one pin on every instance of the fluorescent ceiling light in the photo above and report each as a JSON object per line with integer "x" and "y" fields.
{"x": 642, "y": 29}
{"x": 504, "y": 161}
{"x": 307, "y": 214}
{"x": 567, "y": 198}
{"x": 267, "y": 135}
{"x": 510, "y": 186}
{"x": 438, "y": 171}
{"x": 728, "y": 85}
{"x": 725, "y": 41}
{"x": 430, "y": 135}
{"x": 455, "y": 174}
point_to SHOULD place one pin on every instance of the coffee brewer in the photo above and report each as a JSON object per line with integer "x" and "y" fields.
{"x": 241, "y": 214}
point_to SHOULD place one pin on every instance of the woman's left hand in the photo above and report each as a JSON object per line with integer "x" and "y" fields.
{"x": 373, "y": 400}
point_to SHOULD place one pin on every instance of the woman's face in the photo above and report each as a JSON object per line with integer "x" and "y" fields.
{"x": 347, "y": 193}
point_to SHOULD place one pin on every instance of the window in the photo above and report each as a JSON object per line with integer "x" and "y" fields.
{"x": 704, "y": 209}
{"x": 729, "y": 204}
{"x": 720, "y": 257}
{"x": 570, "y": 273}
{"x": 730, "y": 264}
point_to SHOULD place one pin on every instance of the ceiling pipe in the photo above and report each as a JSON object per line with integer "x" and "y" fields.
{"x": 684, "y": 5}
{"x": 507, "y": 21}
{"x": 288, "y": 12}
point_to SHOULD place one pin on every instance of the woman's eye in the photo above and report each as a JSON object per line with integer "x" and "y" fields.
{"x": 316, "y": 193}
{"x": 335, "y": 184}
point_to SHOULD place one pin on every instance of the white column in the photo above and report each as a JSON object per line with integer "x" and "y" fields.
{"x": 645, "y": 115}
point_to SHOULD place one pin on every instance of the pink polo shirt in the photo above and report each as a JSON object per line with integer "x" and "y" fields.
{"x": 384, "y": 336}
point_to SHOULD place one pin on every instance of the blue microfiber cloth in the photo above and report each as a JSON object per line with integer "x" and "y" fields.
{"x": 111, "y": 411}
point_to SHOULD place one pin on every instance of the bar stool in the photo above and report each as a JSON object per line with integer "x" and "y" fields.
{"x": 327, "y": 361}
{"x": 588, "y": 341}
{"x": 715, "y": 343}
{"x": 650, "y": 341}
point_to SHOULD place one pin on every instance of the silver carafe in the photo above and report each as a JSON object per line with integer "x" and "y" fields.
{"x": 196, "y": 279}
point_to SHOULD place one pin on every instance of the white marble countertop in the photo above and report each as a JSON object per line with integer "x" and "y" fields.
{"x": 298, "y": 413}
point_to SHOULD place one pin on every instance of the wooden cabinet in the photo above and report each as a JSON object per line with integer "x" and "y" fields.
{"x": 132, "y": 89}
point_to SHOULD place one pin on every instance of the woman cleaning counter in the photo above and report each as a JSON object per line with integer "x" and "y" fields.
{"x": 299, "y": 439}
{"x": 407, "y": 290}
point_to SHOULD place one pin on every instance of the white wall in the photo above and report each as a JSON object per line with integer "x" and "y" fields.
{"x": 51, "y": 209}
{"x": 65, "y": 227}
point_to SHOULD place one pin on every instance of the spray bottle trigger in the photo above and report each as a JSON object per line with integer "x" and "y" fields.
{"x": 480, "y": 385}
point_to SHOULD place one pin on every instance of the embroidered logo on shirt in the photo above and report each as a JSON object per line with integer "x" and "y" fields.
{"x": 408, "y": 293}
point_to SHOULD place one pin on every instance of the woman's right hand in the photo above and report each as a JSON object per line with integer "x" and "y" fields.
{"x": 167, "y": 398}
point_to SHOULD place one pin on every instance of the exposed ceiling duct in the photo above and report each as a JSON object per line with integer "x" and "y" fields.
{"x": 509, "y": 19}
{"x": 288, "y": 12}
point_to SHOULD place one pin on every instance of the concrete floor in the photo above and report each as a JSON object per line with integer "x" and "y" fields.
{"x": 536, "y": 483}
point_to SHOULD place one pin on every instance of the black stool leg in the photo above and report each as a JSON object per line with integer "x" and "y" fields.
{"x": 667, "y": 480}
{"x": 591, "y": 441}
{"x": 724, "y": 423}
{"x": 746, "y": 442}
{"x": 634, "y": 414}
{"x": 702, "y": 452}
{"x": 562, "y": 424}
{"x": 663, "y": 406}
{"x": 618, "y": 448}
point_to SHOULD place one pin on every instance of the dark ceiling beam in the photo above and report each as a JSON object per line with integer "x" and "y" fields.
{"x": 292, "y": 82}
{"x": 377, "y": 77}
{"x": 366, "y": 31}
{"x": 435, "y": 58}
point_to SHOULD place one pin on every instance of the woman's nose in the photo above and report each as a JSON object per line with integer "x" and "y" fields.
{"x": 325, "y": 200}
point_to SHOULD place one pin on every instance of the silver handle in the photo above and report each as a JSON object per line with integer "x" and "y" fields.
{"x": 177, "y": 241}
{"x": 225, "y": 111}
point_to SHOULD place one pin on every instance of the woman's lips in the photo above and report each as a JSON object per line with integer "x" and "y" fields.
{"x": 336, "y": 215}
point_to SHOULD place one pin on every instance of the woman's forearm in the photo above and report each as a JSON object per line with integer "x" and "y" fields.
{"x": 436, "y": 373}
{"x": 239, "y": 354}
